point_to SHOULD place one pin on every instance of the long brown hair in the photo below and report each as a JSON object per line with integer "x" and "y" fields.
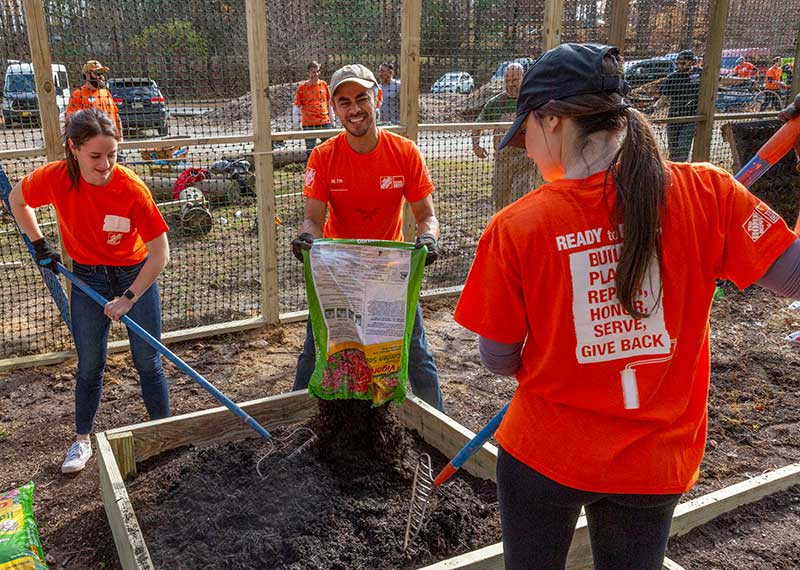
{"x": 79, "y": 128}
{"x": 639, "y": 173}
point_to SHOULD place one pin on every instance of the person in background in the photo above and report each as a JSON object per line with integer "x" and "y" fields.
{"x": 312, "y": 104}
{"x": 94, "y": 94}
{"x": 744, "y": 69}
{"x": 513, "y": 174}
{"x": 390, "y": 87}
{"x": 595, "y": 290}
{"x": 117, "y": 239}
{"x": 773, "y": 82}
{"x": 679, "y": 91}
{"x": 355, "y": 187}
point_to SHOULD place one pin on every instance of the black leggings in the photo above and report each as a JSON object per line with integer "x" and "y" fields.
{"x": 538, "y": 515}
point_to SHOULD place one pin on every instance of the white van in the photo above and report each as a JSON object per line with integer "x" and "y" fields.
{"x": 20, "y": 104}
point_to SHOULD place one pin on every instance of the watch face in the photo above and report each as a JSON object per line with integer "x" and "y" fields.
{"x": 128, "y": 294}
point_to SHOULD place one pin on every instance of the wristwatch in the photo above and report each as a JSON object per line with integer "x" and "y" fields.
{"x": 129, "y": 295}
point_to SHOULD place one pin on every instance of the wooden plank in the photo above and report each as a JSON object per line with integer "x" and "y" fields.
{"x": 410, "y": 24}
{"x": 122, "y": 446}
{"x": 796, "y": 71}
{"x": 709, "y": 82}
{"x": 122, "y": 345}
{"x": 708, "y": 507}
{"x": 186, "y": 141}
{"x": 671, "y": 565}
{"x": 128, "y": 539}
{"x": 217, "y": 425}
{"x": 553, "y": 18}
{"x": 618, "y": 27}
{"x": 23, "y": 153}
{"x": 257, "y": 55}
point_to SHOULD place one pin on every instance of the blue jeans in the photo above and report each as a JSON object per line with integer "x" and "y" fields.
{"x": 90, "y": 328}
{"x": 422, "y": 373}
{"x": 311, "y": 143}
{"x": 539, "y": 515}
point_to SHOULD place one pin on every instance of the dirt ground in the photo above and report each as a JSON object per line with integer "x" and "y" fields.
{"x": 753, "y": 424}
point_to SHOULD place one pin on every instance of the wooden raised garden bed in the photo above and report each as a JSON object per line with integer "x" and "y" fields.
{"x": 119, "y": 450}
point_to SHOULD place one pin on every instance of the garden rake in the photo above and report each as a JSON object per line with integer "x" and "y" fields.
{"x": 424, "y": 484}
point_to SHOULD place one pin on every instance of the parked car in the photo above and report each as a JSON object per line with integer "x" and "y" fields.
{"x": 647, "y": 70}
{"x": 525, "y": 62}
{"x": 454, "y": 82}
{"x": 141, "y": 104}
{"x": 20, "y": 103}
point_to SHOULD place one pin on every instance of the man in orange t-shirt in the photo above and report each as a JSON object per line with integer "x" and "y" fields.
{"x": 361, "y": 179}
{"x": 93, "y": 93}
{"x": 744, "y": 69}
{"x": 312, "y": 104}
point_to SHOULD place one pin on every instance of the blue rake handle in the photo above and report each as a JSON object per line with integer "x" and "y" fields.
{"x": 147, "y": 337}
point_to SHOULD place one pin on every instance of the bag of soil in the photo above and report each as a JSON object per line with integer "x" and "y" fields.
{"x": 20, "y": 547}
{"x": 362, "y": 298}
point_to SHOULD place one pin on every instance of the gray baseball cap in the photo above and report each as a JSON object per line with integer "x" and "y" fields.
{"x": 356, "y": 73}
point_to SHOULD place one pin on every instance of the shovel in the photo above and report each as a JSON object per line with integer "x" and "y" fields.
{"x": 152, "y": 341}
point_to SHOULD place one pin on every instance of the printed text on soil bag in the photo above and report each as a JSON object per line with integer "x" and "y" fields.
{"x": 604, "y": 330}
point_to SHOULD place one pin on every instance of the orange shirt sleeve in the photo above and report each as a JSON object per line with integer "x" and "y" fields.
{"x": 418, "y": 183}
{"x": 74, "y": 102}
{"x": 755, "y": 236}
{"x": 37, "y": 187}
{"x": 314, "y": 182}
{"x": 492, "y": 303}
{"x": 298, "y": 96}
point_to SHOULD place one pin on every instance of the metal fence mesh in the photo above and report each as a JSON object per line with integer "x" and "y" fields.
{"x": 181, "y": 71}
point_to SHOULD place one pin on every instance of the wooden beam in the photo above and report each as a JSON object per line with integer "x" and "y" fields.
{"x": 410, "y": 24}
{"x": 122, "y": 446}
{"x": 217, "y": 425}
{"x": 671, "y": 565}
{"x": 131, "y": 547}
{"x": 709, "y": 81}
{"x": 553, "y": 18}
{"x": 618, "y": 27}
{"x": 257, "y": 53}
{"x": 796, "y": 71}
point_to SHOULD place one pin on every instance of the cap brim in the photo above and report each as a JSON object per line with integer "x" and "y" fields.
{"x": 363, "y": 82}
{"x": 514, "y": 136}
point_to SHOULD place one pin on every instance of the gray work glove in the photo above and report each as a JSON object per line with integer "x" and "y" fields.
{"x": 429, "y": 241}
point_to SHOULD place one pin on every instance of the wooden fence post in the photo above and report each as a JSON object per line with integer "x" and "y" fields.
{"x": 409, "y": 88}
{"x": 709, "y": 81}
{"x": 553, "y": 18}
{"x": 262, "y": 156}
{"x": 796, "y": 71}
{"x": 618, "y": 27}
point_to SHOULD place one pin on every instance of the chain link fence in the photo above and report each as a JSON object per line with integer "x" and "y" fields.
{"x": 181, "y": 72}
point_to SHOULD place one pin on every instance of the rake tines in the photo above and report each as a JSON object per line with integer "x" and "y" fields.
{"x": 421, "y": 491}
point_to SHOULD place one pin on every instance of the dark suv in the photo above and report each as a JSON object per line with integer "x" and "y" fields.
{"x": 141, "y": 104}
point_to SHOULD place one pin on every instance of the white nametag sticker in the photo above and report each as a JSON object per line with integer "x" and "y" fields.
{"x": 116, "y": 224}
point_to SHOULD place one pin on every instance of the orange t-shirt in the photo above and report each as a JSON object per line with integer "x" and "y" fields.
{"x": 88, "y": 96}
{"x": 745, "y": 69}
{"x": 313, "y": 101}
{"x": 100, "y": 225}
{"x": 365, "y": 192}
{"x": 774, "y": 76}
{"x": 606, "y": 403}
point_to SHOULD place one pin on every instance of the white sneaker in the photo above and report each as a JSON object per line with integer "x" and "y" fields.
{"x": 77, "y": 456}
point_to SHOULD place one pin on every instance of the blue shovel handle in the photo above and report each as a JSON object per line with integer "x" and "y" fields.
{"x": 147, "y": 337}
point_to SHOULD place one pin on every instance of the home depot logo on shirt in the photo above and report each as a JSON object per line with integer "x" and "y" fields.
{"x": 116, "y": 226}
{"x": 760, "y": 221}
{"x": 310, "y": 174}
{"x": 389, "y": 182}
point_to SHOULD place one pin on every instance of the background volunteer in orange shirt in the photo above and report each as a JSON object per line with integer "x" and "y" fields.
{"x": 312, "y": 104}
{"x": 595, "y": 291}
{"x": 744, "y": 69}
{"x": 94, "y": 94}
{"x": 117, "y": 239}
{"x": 361, "y": 178}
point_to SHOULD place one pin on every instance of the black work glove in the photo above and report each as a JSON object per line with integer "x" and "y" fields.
{"x": 791, "y": 111}
{"x": 300, "y": 243}
{"x": 45, "y": 255}
{"x": 429, "y": 241}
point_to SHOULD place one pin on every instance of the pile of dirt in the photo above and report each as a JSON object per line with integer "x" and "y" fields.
{"x": 281, "y": 97}
{"x": 341, "y": 503}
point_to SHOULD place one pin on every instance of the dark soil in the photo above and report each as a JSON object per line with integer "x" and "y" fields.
{"x": 340, "y": 503}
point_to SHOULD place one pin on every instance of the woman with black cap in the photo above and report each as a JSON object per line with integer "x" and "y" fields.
{"x": 595, "y": 290}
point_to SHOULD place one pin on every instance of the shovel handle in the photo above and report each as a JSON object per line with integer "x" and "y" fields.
{"x": 152, "y": 341}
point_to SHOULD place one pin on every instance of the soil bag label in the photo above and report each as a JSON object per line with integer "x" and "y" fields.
{"x": 20, "y": 547}
{"x": 362, "y": 298}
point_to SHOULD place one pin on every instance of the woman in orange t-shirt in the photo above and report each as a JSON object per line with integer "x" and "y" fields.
{"x": 117, "y": 239}
{"x": 594, "y": 290}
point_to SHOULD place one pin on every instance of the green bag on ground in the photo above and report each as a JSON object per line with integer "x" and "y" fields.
{"x": 362, "y": 299}
{"x": 20, "y": 547}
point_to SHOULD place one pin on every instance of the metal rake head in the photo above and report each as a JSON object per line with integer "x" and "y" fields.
{"x": 421, "y": 492}
{"x": 301, "y": 437}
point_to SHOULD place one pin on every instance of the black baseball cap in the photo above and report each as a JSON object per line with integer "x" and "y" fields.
{"x": 564, "y": 71}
